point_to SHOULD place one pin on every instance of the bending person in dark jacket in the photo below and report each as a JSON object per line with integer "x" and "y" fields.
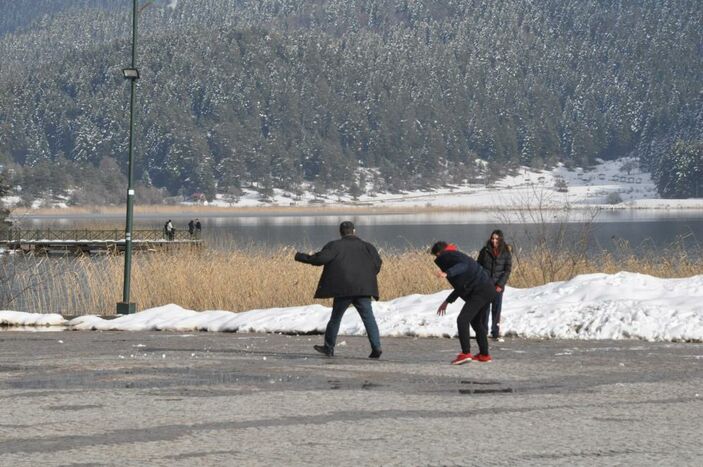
{"x": 471, "y": 283}
{"x": 497, "y": 260}
{"x": 349, "y": 277}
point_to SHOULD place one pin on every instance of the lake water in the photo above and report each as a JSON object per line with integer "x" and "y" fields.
{"x": 643, "y": 230}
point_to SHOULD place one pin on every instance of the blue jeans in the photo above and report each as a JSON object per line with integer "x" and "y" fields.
{"x": 495, "y": 305}
{"x": 363, "y": 306}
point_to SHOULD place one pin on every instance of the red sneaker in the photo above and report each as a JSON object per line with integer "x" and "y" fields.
{"x": 482, "y": 357}
{"x": 462, "y": 358}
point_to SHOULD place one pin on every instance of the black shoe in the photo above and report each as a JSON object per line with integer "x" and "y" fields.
{"x": 376, "y": 354}
{"x": 323, "y": 349}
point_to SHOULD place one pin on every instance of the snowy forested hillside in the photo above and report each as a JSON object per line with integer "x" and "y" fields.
{"x": 271, "y": 93}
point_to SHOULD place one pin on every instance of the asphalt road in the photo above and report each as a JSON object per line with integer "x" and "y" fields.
{"x": 158, "y": 398}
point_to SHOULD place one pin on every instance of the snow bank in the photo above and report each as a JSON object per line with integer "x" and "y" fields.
{"x": 603, "y": 306}
{"x": 18, "y": 318}
{"x": 172, "y": 317}
{"x": 594, "y": 306}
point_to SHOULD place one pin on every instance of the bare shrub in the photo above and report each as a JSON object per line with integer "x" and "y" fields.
{"x": 557, "y": 237}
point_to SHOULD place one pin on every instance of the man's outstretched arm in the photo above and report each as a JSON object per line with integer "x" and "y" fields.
{"x": 320, "y": 258}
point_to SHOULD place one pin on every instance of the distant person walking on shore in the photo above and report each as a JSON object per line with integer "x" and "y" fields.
{"x": 349, "y": 277}
{"x": 472, "y": 284}
{"x": 198, "y": 228}
{"x": 191, "y": 227}
{"x": 497, "y": 259}
{"x": 169, "y": 231}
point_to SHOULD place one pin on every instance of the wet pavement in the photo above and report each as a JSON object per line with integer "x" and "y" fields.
{"x": 159, "y": 398}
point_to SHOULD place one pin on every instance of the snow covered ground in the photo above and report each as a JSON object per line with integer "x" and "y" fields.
{"x": 594, "y": 306}
{"x": 603, "y": 185}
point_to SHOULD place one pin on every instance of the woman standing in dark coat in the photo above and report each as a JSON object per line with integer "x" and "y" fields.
{"x": 497, "y": 260}
{"x": 471, "y": 283}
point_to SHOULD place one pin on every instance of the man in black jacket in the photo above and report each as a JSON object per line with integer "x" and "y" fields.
{"x": 349, "y": 277}
{"x": 472, "y": 284}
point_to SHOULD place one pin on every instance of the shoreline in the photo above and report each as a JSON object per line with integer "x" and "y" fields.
{"x": 107, "y": 212}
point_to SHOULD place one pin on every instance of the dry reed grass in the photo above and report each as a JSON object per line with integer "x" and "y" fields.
{"x": 528, "y": 273}
{"x": 243, "y": 279}
{"x": 204, "y": 280}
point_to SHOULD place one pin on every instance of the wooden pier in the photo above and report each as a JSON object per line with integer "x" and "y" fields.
{"x": 92, "y": 242}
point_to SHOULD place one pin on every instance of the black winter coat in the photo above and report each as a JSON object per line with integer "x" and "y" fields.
{"x": 464, "y": 274}
{"x": 498, "y": 267}
{"x": 350, "y": 268}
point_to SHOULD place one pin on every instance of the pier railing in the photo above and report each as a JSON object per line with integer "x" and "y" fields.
{"x": 88, "y": 235}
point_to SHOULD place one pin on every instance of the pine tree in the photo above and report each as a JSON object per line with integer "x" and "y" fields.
{"x": 680, "y": 174}
{"x": 4, "y": 191}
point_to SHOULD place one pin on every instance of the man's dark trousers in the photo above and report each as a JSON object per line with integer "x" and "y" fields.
{"x": 363, "y": 306}
{"x": 472, "y": 315}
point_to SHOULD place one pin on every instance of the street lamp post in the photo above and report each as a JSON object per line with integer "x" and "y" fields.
{"x": 132, "y": 74}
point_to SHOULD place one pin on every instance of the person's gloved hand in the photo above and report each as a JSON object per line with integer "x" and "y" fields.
{"x": 300, "y": 256}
